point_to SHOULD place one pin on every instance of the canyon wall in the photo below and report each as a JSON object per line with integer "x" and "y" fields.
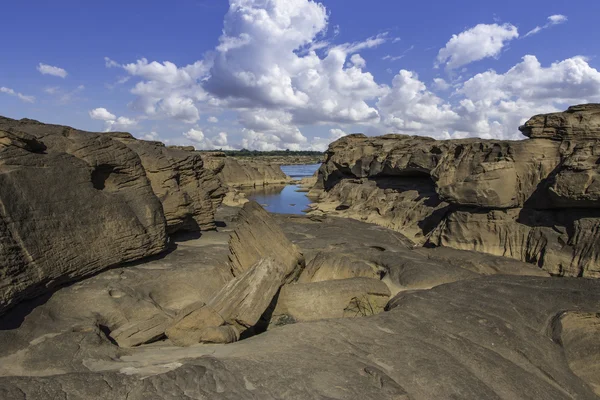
{"x": 535, "y": 200}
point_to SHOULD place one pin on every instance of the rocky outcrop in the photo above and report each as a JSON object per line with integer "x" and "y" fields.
{"x": 189, "y": 193}
{"x": 235, "y": 173}
{"x": 581, "y": 122}
{"x": 533, "y": 200}
{"x": 256, "y": 237}
{"x": 340, "y": 298}
{"x": 73, "y": 203}
{"x": 451, "y": 330}
{"x": 329, "y": 265}
{"x": 262, "y": 261}
{"x": 476, "y": 339}
{"x": 80, "y": 205}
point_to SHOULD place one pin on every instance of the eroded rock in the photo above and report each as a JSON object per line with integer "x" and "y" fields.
{"x": 340, "y": 298}
{"x": 257, "y": 236}
{"x": 54, "y": 230}
{"x": 533, "y": 200}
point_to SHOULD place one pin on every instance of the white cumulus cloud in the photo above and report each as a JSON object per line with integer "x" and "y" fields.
{"x": 410, "y": 107}
{"x": 201, "y": 142}
{"x": 102, "y": 114}
{"x": 276, "y": 67}
{"x": 46, "y": 69}
{"x": 477, "y": 43}
{"x": 166, "y": 90}
{"x": 265, "y": 70}
{"x": 111, "y": 121}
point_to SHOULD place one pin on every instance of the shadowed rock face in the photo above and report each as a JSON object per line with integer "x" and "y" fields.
{"x": 73, "y": 203}
{"x": 188, "y": 192}
{"x": 534, "y": 200}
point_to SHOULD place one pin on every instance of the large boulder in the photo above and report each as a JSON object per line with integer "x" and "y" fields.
{"x": 340, "y": 298}
{"x": 262, "y": 261}
{"x": 258, "y": 236}
{"x": 71, "y": 207}
{"x": 77, "y": 202}
{"x": 236, "y": 308}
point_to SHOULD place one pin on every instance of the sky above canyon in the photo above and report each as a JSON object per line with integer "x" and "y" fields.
{"x": 296, "y": 74}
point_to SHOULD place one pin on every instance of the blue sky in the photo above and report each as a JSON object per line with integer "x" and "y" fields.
{"x": 296, "y": 74}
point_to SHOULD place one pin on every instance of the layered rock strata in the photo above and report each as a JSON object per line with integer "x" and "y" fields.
{"x": 235, "y": 173}
{"x": 262, "y": 260}
{"x": 534, "y": 200}
{"x": 73, "y": 203}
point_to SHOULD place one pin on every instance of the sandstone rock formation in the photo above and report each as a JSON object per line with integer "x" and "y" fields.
{"x": 76, "y": 202}
{"x": 65, "y": 213}
{"x": 471, "y": 336}
{"x": 533, "y": 200}
{"x": 188, "y": 192}
{"x": 340, "y": 298}
{"x": 235, "y": 173}
{"x": 262, "y": 261}
{"x": 581, "y": 122}
{"x": 373, "y": 315}
{"x": 257, "y": 236}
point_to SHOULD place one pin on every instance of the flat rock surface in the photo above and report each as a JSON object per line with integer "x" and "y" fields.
{"x": 480, "y": 335}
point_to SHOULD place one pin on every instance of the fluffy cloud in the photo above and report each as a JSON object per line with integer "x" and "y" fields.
{"x": 441, "y": 84}
{"x": 221, "y": 139}
{"x": 267, "y": 68}
{"x": 102, "y": 114}
{"x": 321, "y": 144}
{"x": 568, "y": 81}
{"x": 258, "y": 64}
{"x": 201, "y": 142}
{"x": 552, "y": 20}
{"x": 526, "y": 89}
{"x": 22, "y": 97}
{"x": 166, "y": 90}
{"x": 277, "y": 68}
{"x": 112, "y": 123}
{"x": 274, "y": 127}
{"x": 410, "y": 107}
{"x": 490, "y": 104}
{"x": 46, "y": 69}
{"x": 477, "y": 43}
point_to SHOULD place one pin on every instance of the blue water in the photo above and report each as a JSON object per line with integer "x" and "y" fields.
{"x": 285, "y": 199}
{"x": 300, "y": 171}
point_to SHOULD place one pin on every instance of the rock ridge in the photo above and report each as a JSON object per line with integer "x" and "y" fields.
{"x": 535, "y": 200}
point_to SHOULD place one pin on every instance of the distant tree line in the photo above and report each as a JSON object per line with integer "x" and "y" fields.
{"x": 273, "y": 153}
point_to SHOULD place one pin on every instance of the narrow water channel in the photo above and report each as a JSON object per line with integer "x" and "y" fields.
{"x": 284, "y": 199}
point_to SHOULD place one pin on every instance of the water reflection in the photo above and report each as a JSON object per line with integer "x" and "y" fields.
{"x": 284, "y": 199}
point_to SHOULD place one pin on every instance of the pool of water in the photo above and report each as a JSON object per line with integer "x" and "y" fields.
{"x": 284, "y": 199}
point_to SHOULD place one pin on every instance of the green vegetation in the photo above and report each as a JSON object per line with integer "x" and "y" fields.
{"x": 274, "y": 153}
